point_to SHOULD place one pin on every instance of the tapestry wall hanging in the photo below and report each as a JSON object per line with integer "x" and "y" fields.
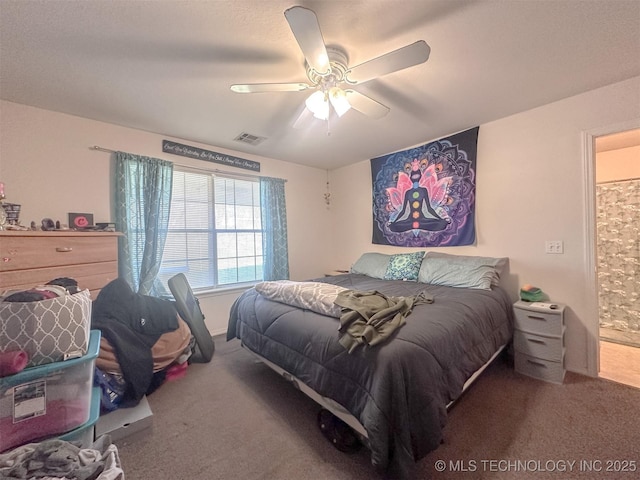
{"x": 425, "y": 196}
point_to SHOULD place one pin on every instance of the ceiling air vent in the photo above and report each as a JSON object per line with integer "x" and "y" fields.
{"x": 249, "y": 138}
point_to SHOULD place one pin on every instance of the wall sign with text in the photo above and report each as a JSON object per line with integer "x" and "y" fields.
{"x": 209, "y": 156}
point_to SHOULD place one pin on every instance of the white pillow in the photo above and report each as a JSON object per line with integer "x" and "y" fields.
{"x": 315, "y": 296}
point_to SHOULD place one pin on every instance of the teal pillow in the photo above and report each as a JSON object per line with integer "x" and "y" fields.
{"x": 404, "y": 266}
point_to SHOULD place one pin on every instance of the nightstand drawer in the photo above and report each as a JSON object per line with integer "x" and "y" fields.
{"x": 539, "y": 322}
{"x": 548, "y": 348}
{"x": 538, "y": 368}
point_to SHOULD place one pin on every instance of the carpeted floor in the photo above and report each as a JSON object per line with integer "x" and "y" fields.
{"x": 234, "y": 418}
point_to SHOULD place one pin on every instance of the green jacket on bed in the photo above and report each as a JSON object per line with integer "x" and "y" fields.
{"x": 370, "y": 317}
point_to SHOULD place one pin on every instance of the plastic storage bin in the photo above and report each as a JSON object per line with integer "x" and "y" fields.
{"x": 84, "y": 435}
{"x": 42, "y": 402}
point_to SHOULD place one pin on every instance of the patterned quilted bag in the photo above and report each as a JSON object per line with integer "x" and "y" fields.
{"x": 51, "y": 330}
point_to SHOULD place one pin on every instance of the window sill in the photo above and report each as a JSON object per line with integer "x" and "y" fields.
{"x": 213, "y": 292}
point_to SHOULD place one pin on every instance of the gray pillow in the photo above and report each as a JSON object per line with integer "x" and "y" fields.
{"x": 461, "y": 270}
{"x": 372, "y": 264}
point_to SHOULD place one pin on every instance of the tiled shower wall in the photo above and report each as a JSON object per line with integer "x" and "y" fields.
{"x": 618, "y": 248}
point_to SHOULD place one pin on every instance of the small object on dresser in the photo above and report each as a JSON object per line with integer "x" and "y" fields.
{"x": 80, "y": 220}
{"x": 48, "y": 225}
{"x": 12, "y": 212}
{"x": 106, "y": 226}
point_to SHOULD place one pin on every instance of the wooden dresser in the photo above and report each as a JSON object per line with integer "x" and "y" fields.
{"x": 33, "y": 258}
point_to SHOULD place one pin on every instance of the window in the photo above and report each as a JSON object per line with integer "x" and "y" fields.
{"x": 215, "y": 231}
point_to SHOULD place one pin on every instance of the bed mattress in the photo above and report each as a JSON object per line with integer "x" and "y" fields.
{"x": 398, "y": 390}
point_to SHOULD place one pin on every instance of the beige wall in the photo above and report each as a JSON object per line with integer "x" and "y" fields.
{"x": 530, "y": 188}
{"x": 48, "y": 168}
{"x": 621, "y": 164}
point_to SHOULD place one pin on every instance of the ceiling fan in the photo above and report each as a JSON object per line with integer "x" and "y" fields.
{"x": 328, "y": 71}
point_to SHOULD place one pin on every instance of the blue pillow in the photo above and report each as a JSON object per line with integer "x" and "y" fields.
{"x": 404, "y": 266}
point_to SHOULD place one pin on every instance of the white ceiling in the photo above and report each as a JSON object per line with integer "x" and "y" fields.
{"x": 166, "y": 66}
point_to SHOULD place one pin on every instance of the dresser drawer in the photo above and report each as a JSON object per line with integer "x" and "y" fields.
{"x": 539, "y": 368}
{"x": 91, "y": 276}
{"x": 539, "y": 322}
{"x": 548, "y": 348}
{"x": 21, "y": 253}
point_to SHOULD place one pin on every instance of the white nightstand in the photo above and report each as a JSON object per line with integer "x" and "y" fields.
{"x": 538, "y": 340}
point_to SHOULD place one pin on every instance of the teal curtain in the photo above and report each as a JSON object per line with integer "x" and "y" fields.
{"x": 143, "y": 199}
{"x": 274, "y": 229}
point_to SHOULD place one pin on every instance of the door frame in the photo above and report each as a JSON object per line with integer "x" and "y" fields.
{"x": 590, "y": 235}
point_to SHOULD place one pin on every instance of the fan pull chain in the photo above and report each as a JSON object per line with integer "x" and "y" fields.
{"x": 325, "y": 90}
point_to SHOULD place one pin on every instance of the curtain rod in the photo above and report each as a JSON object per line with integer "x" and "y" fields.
{"x": 215, "y": 170}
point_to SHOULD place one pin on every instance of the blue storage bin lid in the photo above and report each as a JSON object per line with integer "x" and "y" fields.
{"x": 34, "y": 373}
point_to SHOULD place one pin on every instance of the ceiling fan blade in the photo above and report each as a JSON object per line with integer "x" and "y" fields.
{"x": 366, "y": 105}
{"x": 399, "y": 59}
{"x": 305, "y": 27}
{"x": 269, "y": 87}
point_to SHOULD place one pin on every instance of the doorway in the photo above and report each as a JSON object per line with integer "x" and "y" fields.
{"x": 617, "y": 202}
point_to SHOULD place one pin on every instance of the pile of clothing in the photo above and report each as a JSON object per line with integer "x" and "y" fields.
{"x": 144, "y": 342}
{"x": 62, "y": 460}
{"x": 55, "y": 288}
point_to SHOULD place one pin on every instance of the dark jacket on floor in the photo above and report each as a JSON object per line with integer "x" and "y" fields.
{"x": 132, "y": 323}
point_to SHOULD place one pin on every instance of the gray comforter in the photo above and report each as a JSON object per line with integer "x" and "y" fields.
{"x": 398, "y": 390}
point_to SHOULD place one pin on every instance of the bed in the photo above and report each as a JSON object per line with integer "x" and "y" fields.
{"x": 394, "y": 394}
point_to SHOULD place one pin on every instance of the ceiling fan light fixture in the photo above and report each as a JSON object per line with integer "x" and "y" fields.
{"x": 318, "y": 105}
{"x": 338, "y": 99}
